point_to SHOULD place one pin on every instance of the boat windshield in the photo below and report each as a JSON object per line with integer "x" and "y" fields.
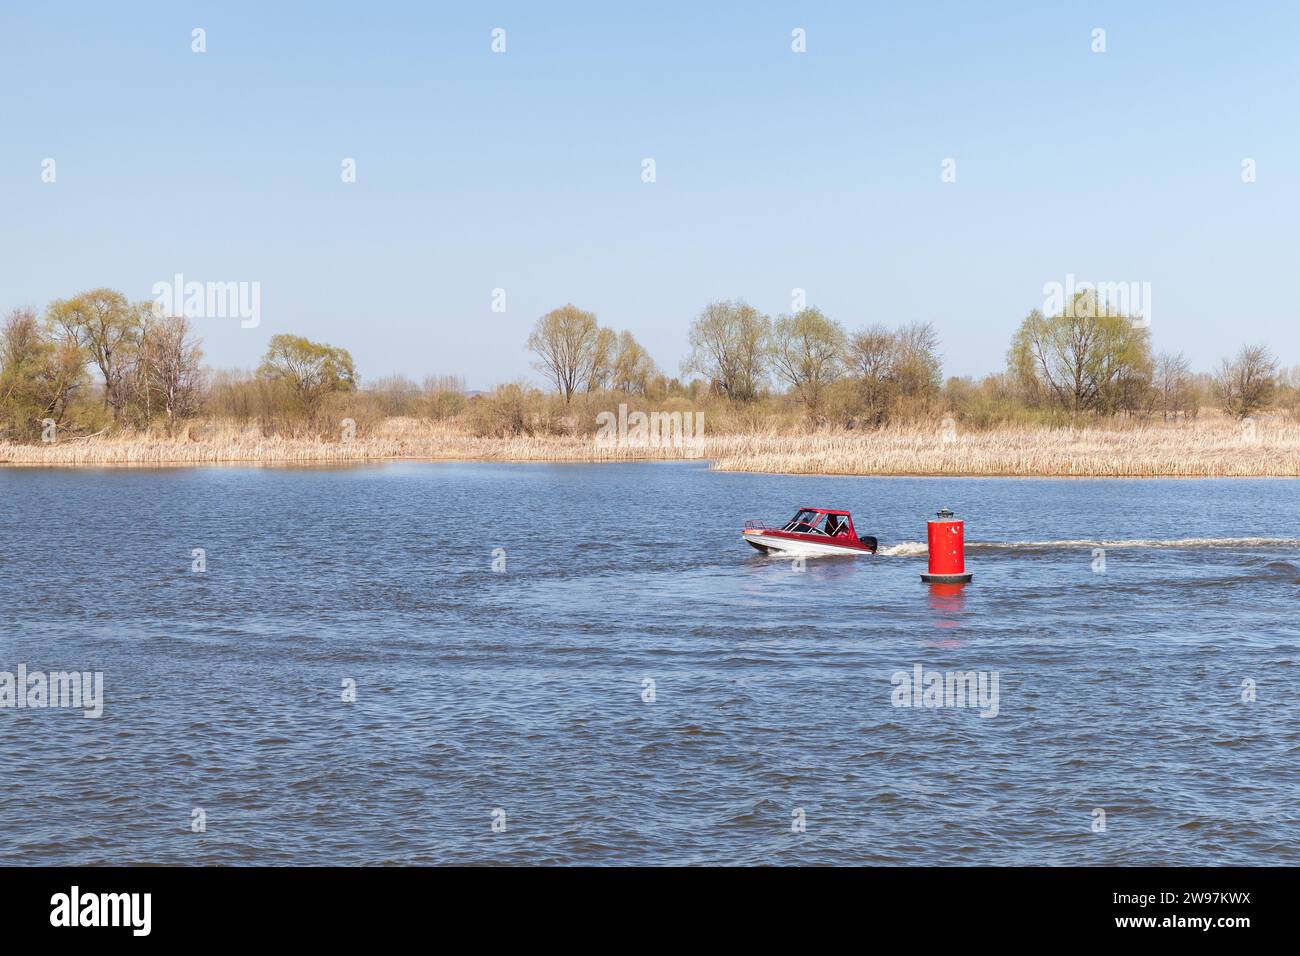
{"x": 805, "y": 522}
{"x": 808, "y": 521}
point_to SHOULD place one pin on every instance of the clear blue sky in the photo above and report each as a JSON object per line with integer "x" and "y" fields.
{"x": 775, "y": 170}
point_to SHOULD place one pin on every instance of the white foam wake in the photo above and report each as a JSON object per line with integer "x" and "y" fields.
{"x": 913, "y": 548}
{"x": 905, "y": 550}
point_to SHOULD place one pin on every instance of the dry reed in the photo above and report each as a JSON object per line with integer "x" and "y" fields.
{"x": 1197, "y": 449}
{"x": 1202, "y": 448}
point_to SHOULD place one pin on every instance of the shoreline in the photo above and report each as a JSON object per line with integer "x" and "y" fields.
{"x": 323, "y": 463}
{"x": 1199, "y": 449}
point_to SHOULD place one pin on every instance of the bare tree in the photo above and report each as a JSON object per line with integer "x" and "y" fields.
{"x": 1289, "y": 390}
{"x": 1247, "y": 384}
{"x": 1172, "y": 388}
{"x": 729, "y": 346}
{"x": 394, "y": 396}
{"x": 895, "y": 371}
{"x": 565, "y": 342}
{"x": 917, "y": 371}
{"x": 444, "y": 395}
{"x": 170, "y": 358}
{"x": 872, "y": 356}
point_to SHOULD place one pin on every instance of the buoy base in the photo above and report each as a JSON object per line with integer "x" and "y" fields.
{"x": 948, "y": 578}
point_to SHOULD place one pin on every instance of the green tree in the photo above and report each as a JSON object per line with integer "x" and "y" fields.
{"x": 566, "y": 341}
{"x": 309, "y": 371}
{"x": 39, "y": 376}
{"x": 604, "y": 356}
{"x": 808, "y": 353}
{"x": 1089, "y": 358}
{"x": 107, "y": 327}
{"x": 634, "y": 369}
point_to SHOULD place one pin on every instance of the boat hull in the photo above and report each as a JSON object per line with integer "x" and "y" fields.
{"x": 777, "y": 542}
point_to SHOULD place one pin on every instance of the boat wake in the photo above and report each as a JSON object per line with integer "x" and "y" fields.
{"x": 907, "y": 549}
{"x": 913, "y": 548}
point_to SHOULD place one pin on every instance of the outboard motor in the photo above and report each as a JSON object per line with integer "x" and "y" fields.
{"x": 868, "y": 541}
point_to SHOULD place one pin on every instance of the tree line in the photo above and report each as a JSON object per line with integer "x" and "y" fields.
{"x": 97, "y": 361}
{"x": 736, "y": 352}
{"x": 149, "y": 370}
{"x": 1088, "y": 360}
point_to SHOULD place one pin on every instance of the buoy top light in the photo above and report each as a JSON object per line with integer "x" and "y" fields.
{"x": 944, "y": 513}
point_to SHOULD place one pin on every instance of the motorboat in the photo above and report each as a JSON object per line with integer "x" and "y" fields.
{"x": 812, "y": 531}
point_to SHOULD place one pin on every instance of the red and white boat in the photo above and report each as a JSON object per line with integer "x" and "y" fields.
{"x": 812, "y": 531}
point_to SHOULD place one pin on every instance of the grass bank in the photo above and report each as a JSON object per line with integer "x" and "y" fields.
{"x": 1202, "y": 448}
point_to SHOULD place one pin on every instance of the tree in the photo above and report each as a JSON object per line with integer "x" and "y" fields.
{"x": 808, "y": 354}
{"x": 602, "y": 360}
{"x": 1089, "y": 358}
{"x": 729, "y": 343}
{"x": 38, "y": 375}
{"x": 895, "y": 371}
{"x": 309, "y": 370}
{"x": 444, "y": 395}
{"x": 170, "y": 367}
{"x": 565, "y": 341}
{"x": 1172, "y": 389}
{"x": 634, "y": 369}
{"x": 1247, "y": 384}
{"x": 917, "y": 371}
{"x": 872, "y": 355}
{"x": 107, "y": 327}
{"x": 1289, "y": 390}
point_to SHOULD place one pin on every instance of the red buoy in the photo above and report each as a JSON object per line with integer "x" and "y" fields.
{"x": 947, "y": 550}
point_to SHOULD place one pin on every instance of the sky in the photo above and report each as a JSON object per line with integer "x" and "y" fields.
{"x": 774, "y": 170}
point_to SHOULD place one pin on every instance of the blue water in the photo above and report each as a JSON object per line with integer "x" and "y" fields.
{"x": 524, "y": 690}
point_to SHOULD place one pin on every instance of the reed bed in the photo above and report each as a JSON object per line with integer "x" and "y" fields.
{"x": 392, "y": 438}
{"x": 1197, "y": 449}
